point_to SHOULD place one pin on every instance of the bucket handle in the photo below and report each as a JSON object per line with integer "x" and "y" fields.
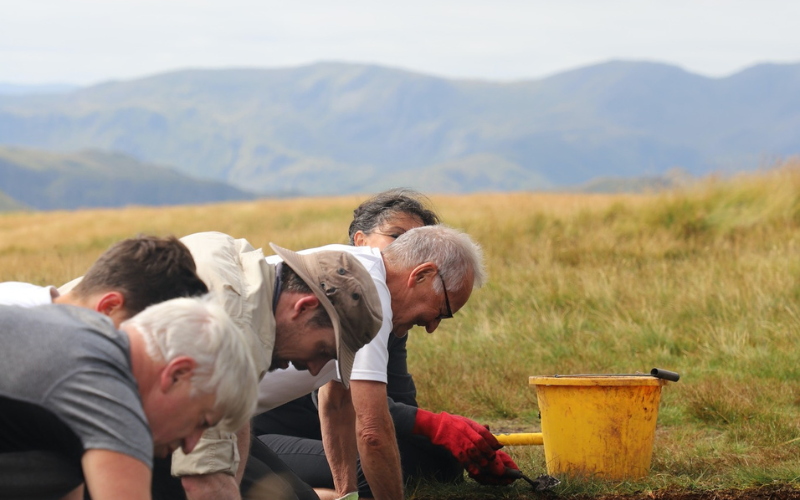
{"x": 665, "y": 374}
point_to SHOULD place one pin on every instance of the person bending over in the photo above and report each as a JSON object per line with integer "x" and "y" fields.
{"x": 434, "y": 446}
{"x": 131, "y": 275}
{"x": 83, "y": 401}
{"x": 305, "y": 309}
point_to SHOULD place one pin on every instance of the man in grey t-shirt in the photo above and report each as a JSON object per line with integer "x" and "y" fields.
{"x": 104, "y": 401}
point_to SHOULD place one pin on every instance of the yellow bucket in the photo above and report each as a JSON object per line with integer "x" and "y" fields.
{"x": 598, "y": 425}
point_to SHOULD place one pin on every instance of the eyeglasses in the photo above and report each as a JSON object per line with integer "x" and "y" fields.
{"x": 393, "y": 236}
{"x": 446, "y": 301}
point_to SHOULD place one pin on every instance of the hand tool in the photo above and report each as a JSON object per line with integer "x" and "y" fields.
{"x": 541, "y": 483}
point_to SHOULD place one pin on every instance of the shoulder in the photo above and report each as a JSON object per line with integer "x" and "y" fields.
{"x": 219, "y": 256}
{"x": 214, "y": 242}
{"x": 57, "y": 338}
{"x": 15, "y": 293}
{"x": 370, "y": 258}
{"x": 75, "y": 364}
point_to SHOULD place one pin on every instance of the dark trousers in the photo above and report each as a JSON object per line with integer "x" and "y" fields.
{"x": 418, "y": 458}
{"x": 266, "y": 476}
{"x": 293, "y": 432}
{"x": 38, "y": 475}
{"x": 166, "y": 487}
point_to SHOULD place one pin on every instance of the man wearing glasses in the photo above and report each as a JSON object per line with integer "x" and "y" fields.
{"x": 430, "y": 273}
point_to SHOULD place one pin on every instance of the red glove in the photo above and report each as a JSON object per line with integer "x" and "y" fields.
{"x": 491, "y": 478}
{"x": 470, "y": 443}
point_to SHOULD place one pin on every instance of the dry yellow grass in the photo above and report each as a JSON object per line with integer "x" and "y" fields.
{"x": 53, "y": 247}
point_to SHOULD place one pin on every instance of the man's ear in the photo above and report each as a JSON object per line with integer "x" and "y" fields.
{"x": 110, "y": 303}
{"x": 304, "y": 303}
{"x": 420, "y": 273}
{"x": 178, "y": 370}
{"x": 359, "y": 238}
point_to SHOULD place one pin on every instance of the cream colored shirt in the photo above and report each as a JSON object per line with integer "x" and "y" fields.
{"x": 238, "y": 274}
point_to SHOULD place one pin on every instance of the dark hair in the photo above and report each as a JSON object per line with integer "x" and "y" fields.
{"x": 146, "y": 270}
{"x": 292, "y": 282}
{"x": 383, "y": 206}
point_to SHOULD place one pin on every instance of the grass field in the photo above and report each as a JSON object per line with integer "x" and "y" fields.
{"x": 705, "y": 281}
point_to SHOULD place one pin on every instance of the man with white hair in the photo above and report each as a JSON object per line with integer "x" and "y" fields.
{"x": 99, "y": 402}
{"x": 427, "y": 275}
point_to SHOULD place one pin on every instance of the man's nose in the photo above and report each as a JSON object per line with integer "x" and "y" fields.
{"x": 432, "y": 325}
{"x": 191, "y": 440}
{"x": 315, "y": 366}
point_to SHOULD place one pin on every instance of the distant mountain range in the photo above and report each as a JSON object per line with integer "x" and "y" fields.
{"x": 44, "y": 181}
{"x": 342, "y": 128}
{"x": 55, "y": 88}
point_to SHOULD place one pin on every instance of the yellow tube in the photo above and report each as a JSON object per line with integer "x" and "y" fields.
{"x": 520, "y": 439}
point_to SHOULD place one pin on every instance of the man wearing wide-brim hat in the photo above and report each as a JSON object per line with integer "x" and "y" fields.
{"x": 306, "y": 310}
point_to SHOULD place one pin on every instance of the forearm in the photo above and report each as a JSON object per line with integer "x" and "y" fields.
{"x": 377, "y": 444}
{"x": 380, "y": 461}
{"x": 337, "y": 420}
{"x": 76, "y": 494}
{"x": 210, "y": 487}
{"x": 111, "y": 475}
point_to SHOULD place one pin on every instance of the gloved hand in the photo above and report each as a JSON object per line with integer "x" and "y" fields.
{"x": 470, "y": 443}
{"x": 491, "y": 478}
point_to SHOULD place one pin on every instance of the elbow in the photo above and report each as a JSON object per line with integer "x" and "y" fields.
{"x": 372, "y": 439}
{"x": 376, "y": 434}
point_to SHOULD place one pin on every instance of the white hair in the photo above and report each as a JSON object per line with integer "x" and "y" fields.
{"x": 453, "y": 252}
{"x": 200, "y": 328}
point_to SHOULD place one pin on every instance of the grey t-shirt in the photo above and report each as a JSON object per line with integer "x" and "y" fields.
{"x": 66, "y": 384}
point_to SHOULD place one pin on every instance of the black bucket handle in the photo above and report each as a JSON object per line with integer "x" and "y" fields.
{"x": 665, "y": 374}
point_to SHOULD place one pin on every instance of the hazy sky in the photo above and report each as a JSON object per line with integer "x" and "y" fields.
{"x": 88, "y": 41}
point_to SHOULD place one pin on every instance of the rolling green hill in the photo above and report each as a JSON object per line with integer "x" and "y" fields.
{"x": 341, "y": 128}
{"x": 44, "y": 180}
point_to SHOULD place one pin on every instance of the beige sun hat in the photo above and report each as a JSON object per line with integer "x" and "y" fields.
{"x": 347, "y": 292}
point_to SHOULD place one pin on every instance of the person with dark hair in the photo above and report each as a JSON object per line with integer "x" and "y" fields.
{"x": 435, "y": 446}
{"x": 128, "y": 277}
{"x": 147, "y": 270}
{"x": 389, "y": 214}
